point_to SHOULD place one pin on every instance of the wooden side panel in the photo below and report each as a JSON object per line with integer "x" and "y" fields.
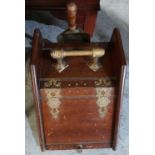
{"x": 118, "y": 106}
{"x": 35, "y": 73}
{"x": 37, "y": 44}
{"x": 37, "y": 107}
{"x": 117, "y": 52}
{"x": 119, "y": 68}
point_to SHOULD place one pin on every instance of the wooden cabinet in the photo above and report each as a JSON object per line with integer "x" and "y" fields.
{"x": 78, "y": 108}
{"x": 87, "y": 10}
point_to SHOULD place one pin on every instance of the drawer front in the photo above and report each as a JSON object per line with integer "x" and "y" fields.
{"x": 78, "y": 115}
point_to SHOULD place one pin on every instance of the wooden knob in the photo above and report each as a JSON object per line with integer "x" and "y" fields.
{"x": 71, "y": 15}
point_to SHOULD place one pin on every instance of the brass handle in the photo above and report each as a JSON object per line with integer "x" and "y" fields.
{"x": 93, "y": 64}
{"x": 61, "y": 53}
{"x": 71, "y": 16}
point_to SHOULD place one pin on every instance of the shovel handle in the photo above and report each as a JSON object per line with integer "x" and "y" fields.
{"x": 71, "y": 15}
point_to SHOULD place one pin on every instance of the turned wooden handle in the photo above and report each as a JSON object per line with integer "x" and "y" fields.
{"x": 71, "y": 15}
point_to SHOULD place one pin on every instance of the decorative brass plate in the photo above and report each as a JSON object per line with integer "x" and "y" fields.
{"x": 82, "y": 82}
